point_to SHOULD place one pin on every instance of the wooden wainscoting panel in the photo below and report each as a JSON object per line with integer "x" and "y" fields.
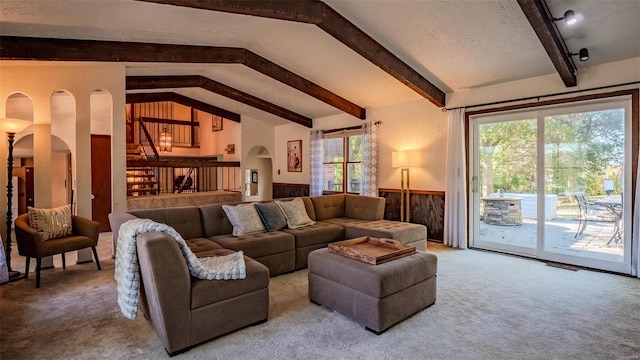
{"x": 427, "y": 208}
{"x": 282, "y": 190}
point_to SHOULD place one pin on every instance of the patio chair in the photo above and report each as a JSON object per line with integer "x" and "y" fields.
{"x": 583, "y": 209}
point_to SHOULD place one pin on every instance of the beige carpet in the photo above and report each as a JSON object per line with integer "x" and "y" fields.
{"x": 489, "y": 306}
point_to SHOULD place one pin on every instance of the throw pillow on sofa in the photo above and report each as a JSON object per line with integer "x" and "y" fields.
{"x": 51, "y": 223}
{"x": 244, "y": 218}
{"x": 295, "y": 213}
{"x": 272, "y": 216}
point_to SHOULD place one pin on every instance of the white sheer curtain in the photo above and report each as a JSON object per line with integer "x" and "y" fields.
{"x": 316, "y": 158}
{"x": 635, "y": 238}
{"x": 369, "y": 181}
{"x": 455, "y": 204}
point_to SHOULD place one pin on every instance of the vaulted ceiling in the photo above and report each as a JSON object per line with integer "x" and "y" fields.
{"x": 318, "y": 64}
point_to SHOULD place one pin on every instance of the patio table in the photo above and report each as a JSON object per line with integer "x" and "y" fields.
{"x": 614, "y": 205}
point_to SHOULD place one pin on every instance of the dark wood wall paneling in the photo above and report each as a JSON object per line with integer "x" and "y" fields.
{"x": 282, "y": 190}
{"x": 427, "y": 208}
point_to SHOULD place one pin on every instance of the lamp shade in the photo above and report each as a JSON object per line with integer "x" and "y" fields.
{"x": 13, "y": 126}
{"x": 405, "y": 159}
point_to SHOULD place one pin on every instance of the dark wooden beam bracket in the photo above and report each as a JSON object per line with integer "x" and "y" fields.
{"x": 30, "y": 48}
{"x": 326, "y": 18}
{"x": 541, "y": 20}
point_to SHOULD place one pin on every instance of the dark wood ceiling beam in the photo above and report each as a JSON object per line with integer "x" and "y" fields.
{"x": 253, "y": 101}
{"x": 541, "y": 20}
{"x": 160, "y": 82}
{"x": 283, "y": 75}
{"x": 322, "y": 15}
{"x": 29, "y": 48}
{"x": 290, "y": 10}
{"x": 182, "y": 100}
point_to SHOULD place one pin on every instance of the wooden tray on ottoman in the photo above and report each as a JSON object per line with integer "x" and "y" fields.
{"x": 371, "y": 250}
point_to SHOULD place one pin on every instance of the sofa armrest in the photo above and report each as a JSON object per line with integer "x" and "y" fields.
{"x": 364, "y": 207}
{"x": 116, "y": 219}
{"x": 85, "y": 227}
{"x": 167, "y": 288}
{"x": 28, "y": 239}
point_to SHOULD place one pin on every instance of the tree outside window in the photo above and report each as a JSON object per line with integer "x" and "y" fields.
{"x": 342, "y": 153}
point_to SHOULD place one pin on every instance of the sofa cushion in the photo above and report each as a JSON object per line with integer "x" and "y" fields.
{"x": 271, "y": 215}
{"x": 318, "y": 233}
{"x": 257, "y": 245}
{"x": 186, "y": 220}
{"x": 404, "y": 232}
{"x": 295, "y": 212}
{"x": 308, "y": 204}
{"x": 328, "y": 206}
{"x": 244, "y": 218}
{"x": 202, "y": 245}
{"x": 214, "y": 220}
{"x": 51, "y": 223}
{"x": 205, "y": 292}
{"x": 364, "y": 207}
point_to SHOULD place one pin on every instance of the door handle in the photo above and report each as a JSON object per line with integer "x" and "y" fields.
{"x": 93, "y": 196}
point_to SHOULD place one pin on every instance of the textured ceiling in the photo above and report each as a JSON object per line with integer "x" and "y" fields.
{"x": 454, "y": 44}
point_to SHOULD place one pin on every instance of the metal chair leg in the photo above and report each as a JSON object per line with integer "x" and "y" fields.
{"x": 26, "y": 268}
{"x": 38, "y": 267}
{"x": 64, "y": 261}
{"x": 95, "y": 255}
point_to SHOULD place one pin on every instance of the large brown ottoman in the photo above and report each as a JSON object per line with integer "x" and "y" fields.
{"x": 377, "y": 296}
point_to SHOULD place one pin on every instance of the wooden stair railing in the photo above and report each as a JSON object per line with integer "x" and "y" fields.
{"x": 143, "y": 127}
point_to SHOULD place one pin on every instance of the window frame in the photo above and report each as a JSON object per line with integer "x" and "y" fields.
{"x": 345, "y": 135}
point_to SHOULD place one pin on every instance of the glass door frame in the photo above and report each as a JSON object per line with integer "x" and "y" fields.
{"x": 623, "y": 99}
{"x": 474, "y": 171}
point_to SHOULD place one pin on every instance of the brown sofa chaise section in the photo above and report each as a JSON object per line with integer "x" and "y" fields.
{"x": 360, "y": 217}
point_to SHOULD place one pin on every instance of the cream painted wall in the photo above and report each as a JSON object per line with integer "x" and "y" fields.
{"x": 619, "y": 72}
{"x": 39, "y": 80}
{"x": 101, "y": 112}
{"x": 59, "y": 179}
{"x": 215, "y": 142}
{"x": 255, "y": 133}
{"x": 414, "y": 125}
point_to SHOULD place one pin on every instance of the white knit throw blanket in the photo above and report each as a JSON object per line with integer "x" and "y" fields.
{"x": 127, "y": 273}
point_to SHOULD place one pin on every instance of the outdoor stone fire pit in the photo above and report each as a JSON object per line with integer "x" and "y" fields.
{"x": 505, "y": 211}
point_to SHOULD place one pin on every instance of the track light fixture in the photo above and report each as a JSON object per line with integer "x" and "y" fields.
{"x": 569, "y": 18}
{"x": 583, "y": 54}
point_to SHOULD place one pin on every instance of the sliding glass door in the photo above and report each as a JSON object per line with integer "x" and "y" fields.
{"x": 551, "y": 183}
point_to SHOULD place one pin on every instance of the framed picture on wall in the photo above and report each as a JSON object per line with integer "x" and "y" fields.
{"x": 294, "y": 156}
{"x": 216, "y": 123}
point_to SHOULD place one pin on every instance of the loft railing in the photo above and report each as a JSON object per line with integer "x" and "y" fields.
{"x": 193, "y": 175}
{"x": 149, "y": 139}
{"x": 184, "y": 133}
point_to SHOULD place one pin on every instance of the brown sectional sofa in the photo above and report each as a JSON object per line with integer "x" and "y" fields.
{"x": 226, "y": 306}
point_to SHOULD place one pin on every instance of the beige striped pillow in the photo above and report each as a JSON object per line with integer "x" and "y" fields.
{"x": 51, "y": 223}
